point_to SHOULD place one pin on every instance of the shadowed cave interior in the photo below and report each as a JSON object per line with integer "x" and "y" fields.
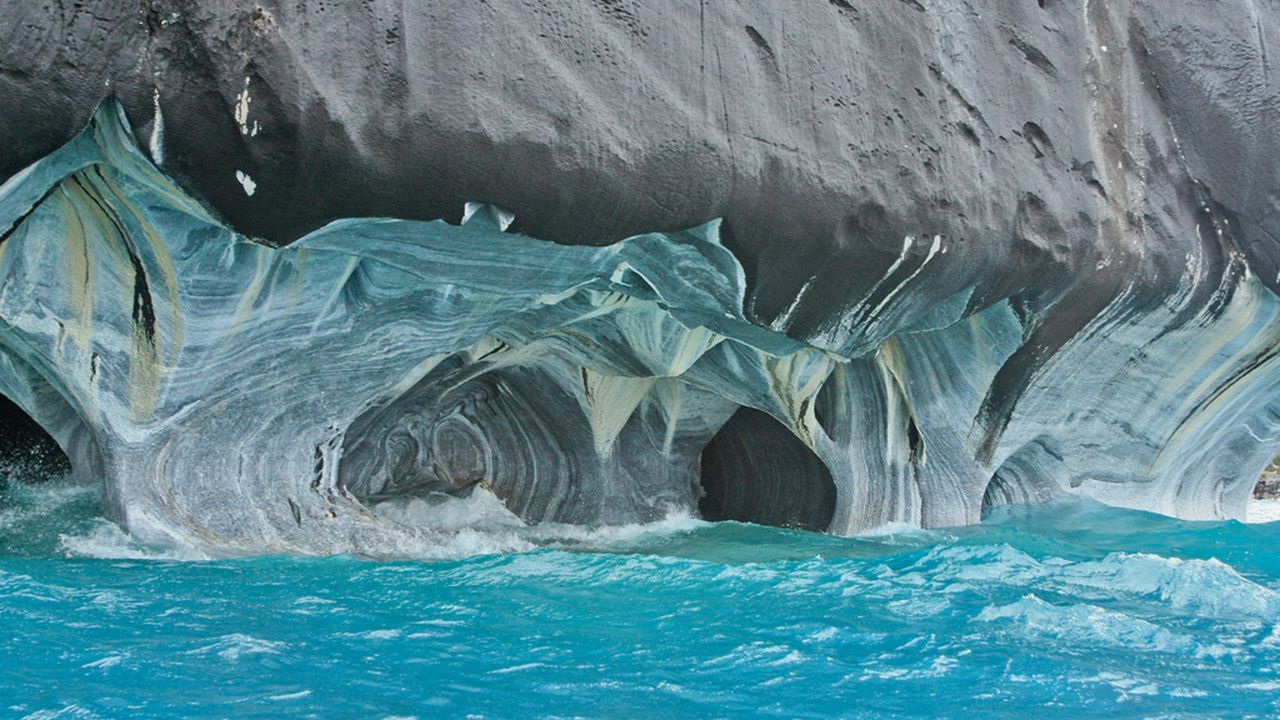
{"x": 463, "y": 426}
{"x": 756, "y": 470}
{"x": 27, "y": 452}
{"x": 511, "y": 429}
{"x": 1027, "y": 476}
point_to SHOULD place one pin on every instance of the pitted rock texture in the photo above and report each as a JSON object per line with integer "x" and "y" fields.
{"x": 1041, "y": 139}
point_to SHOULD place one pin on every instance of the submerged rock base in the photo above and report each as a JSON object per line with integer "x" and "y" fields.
{"x": 248, "y": 398}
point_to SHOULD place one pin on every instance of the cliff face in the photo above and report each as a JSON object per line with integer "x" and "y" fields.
{"x": 1038, "y": 138}
{"x": 1019, "y": 248}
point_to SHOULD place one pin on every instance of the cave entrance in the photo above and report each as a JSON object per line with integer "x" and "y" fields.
{"x": 1033, "y": 474}
{"x": 756, "y": 470}
{"x": 459, "y": 428}
{"x": 27, "y": 452}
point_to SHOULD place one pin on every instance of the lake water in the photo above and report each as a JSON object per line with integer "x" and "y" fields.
{"x": 1054, "y": 611}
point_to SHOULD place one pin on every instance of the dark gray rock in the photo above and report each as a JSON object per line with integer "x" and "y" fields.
{"x": 1040, "y": 138}
{"x": 1268, "y": 487}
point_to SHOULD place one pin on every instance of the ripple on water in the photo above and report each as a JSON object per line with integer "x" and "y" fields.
{"x": 1078, "y": 608}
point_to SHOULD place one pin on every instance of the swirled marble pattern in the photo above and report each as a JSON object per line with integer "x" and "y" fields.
{"x": 246, "y": 398}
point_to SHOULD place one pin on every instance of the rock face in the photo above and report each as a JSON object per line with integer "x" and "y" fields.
{"x": 1268, "y": 487}
{"x": 970, "y": 255}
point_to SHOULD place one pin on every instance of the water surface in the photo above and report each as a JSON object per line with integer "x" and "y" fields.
{"x": 1066, "y": 609}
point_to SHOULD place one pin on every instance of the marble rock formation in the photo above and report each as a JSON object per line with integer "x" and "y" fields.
{"x": 968, "y": 256}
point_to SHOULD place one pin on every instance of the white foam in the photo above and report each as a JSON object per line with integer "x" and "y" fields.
{"x": 290, "y": 696}
{"x": 471, "y": 542}
{"x": 237, "y": 645}
{"x": 109, "y": 661}
{"x": 108, "y": 541}
{"x": 480, "y": 509}
{"x": 1264, "y": 685}
{"x": 44, "y": 499}
{"x": 450, "y": 527}
{"x": 435, "y": 527}
{"x": 559, "y": 535}
{"x": 517, "y": 668}
{"x": 1208, "y": 588}
{"x": 895, "y": 531}
{"x": 1205, "y": 588}
{"x": 67, "y": 711}
{"x": 1086, "y": 624}
{"x": 1263, "y": 511}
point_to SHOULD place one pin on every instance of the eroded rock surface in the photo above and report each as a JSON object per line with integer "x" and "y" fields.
{"x": 970, "y": 255}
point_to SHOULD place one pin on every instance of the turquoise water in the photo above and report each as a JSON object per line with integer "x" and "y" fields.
{"x": 1064, "y": 610}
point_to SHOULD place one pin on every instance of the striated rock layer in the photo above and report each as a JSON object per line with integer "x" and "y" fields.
{"x": 969, "y": 256}
{"x": 244, "y": 397}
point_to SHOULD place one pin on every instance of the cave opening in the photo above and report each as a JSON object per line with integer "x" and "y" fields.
{"x": 27, "y": 452}
{"x": 756, "y": 470}
{"x": 464, "y": 427}
{"x": 1030, "y": 475}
